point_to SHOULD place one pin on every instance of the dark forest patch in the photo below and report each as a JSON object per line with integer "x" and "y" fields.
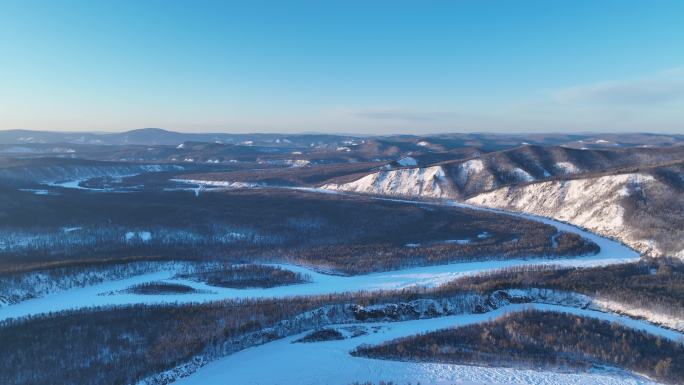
{"x": 536, "y": 339}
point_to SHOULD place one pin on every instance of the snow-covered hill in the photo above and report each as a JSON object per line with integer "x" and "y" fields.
{"x": 410, "y": 182}
{"x": 464, "y": 178}
{"x": 534, "y": 163}
{"x": 636, "y": 208}
{"x": 618, "y": 193}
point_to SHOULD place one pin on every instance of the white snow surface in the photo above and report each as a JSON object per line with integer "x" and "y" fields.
{"x": 522, "y": 175}
{"x": 297, "y": 162}
{"x": 427, "y": 182}
{"x": 664, "y": 317}
{"x": 566, "y": 168}
{"x": 218, "y": 183}
{"x": 139, "y": 236}
{"x": 407, "y": 161}
{"x": 283, "y": 362}
{"x": 468, "y": 169}
{"x": 35, "y": 191}
{"x": 593, "y": 203}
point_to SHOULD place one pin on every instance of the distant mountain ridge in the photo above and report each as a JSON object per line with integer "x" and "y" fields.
{"x": 146, "y": 136}
{"x": 437, "y": 142}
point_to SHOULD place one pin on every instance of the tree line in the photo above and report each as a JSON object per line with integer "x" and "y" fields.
{"x": 537, "y": 339}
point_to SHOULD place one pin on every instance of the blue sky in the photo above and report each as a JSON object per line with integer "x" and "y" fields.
{"x": 343, "y": 66}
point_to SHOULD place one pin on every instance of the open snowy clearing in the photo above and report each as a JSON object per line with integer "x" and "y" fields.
{"x": 283, "y": 362}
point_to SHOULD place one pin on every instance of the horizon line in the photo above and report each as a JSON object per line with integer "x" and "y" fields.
{"x": 124, "y": 131}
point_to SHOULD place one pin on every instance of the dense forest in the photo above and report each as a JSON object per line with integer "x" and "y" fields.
{"x": 536, "y": 339}
{"x": 348, "y": 234}
{"x": 246, "y": 276}
{"x": 161, "y": 288}
{"x": 292, "y": 176}
{"x": 653, "y": 284}
{"x": 121, "y": 344}
{"x": 321, "y": 335}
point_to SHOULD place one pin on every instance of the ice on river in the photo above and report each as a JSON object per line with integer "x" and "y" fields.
{"x": 611, "y": 252}
{"x": 329, "y": 362}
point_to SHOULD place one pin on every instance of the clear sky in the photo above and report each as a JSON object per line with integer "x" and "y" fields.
{"x": 343, "y": 66}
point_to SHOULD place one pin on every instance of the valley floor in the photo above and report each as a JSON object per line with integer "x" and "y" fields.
{"x": 112, "y": 293}
{"x": 283, "y": 362}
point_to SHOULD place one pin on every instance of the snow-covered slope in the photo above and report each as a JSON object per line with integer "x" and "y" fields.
{"x": 636, "y": 208}
{"x": 535, "y": 163}
{"x": 634, "y": 195}
{"x": 407, "y": 162}
{"x": 453, "y": 179}
{"x": 463, "y": 178}
{"x": 423, "y": 181}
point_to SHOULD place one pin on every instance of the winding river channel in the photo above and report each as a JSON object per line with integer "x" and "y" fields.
{"x": 283, "y": 362}
{"x": 329, "y": 363}
{"x": 111, "y": 293}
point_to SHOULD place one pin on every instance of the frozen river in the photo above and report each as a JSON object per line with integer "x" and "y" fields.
{"x": 283, "y": 362}
{"x": 109, "y": 293}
